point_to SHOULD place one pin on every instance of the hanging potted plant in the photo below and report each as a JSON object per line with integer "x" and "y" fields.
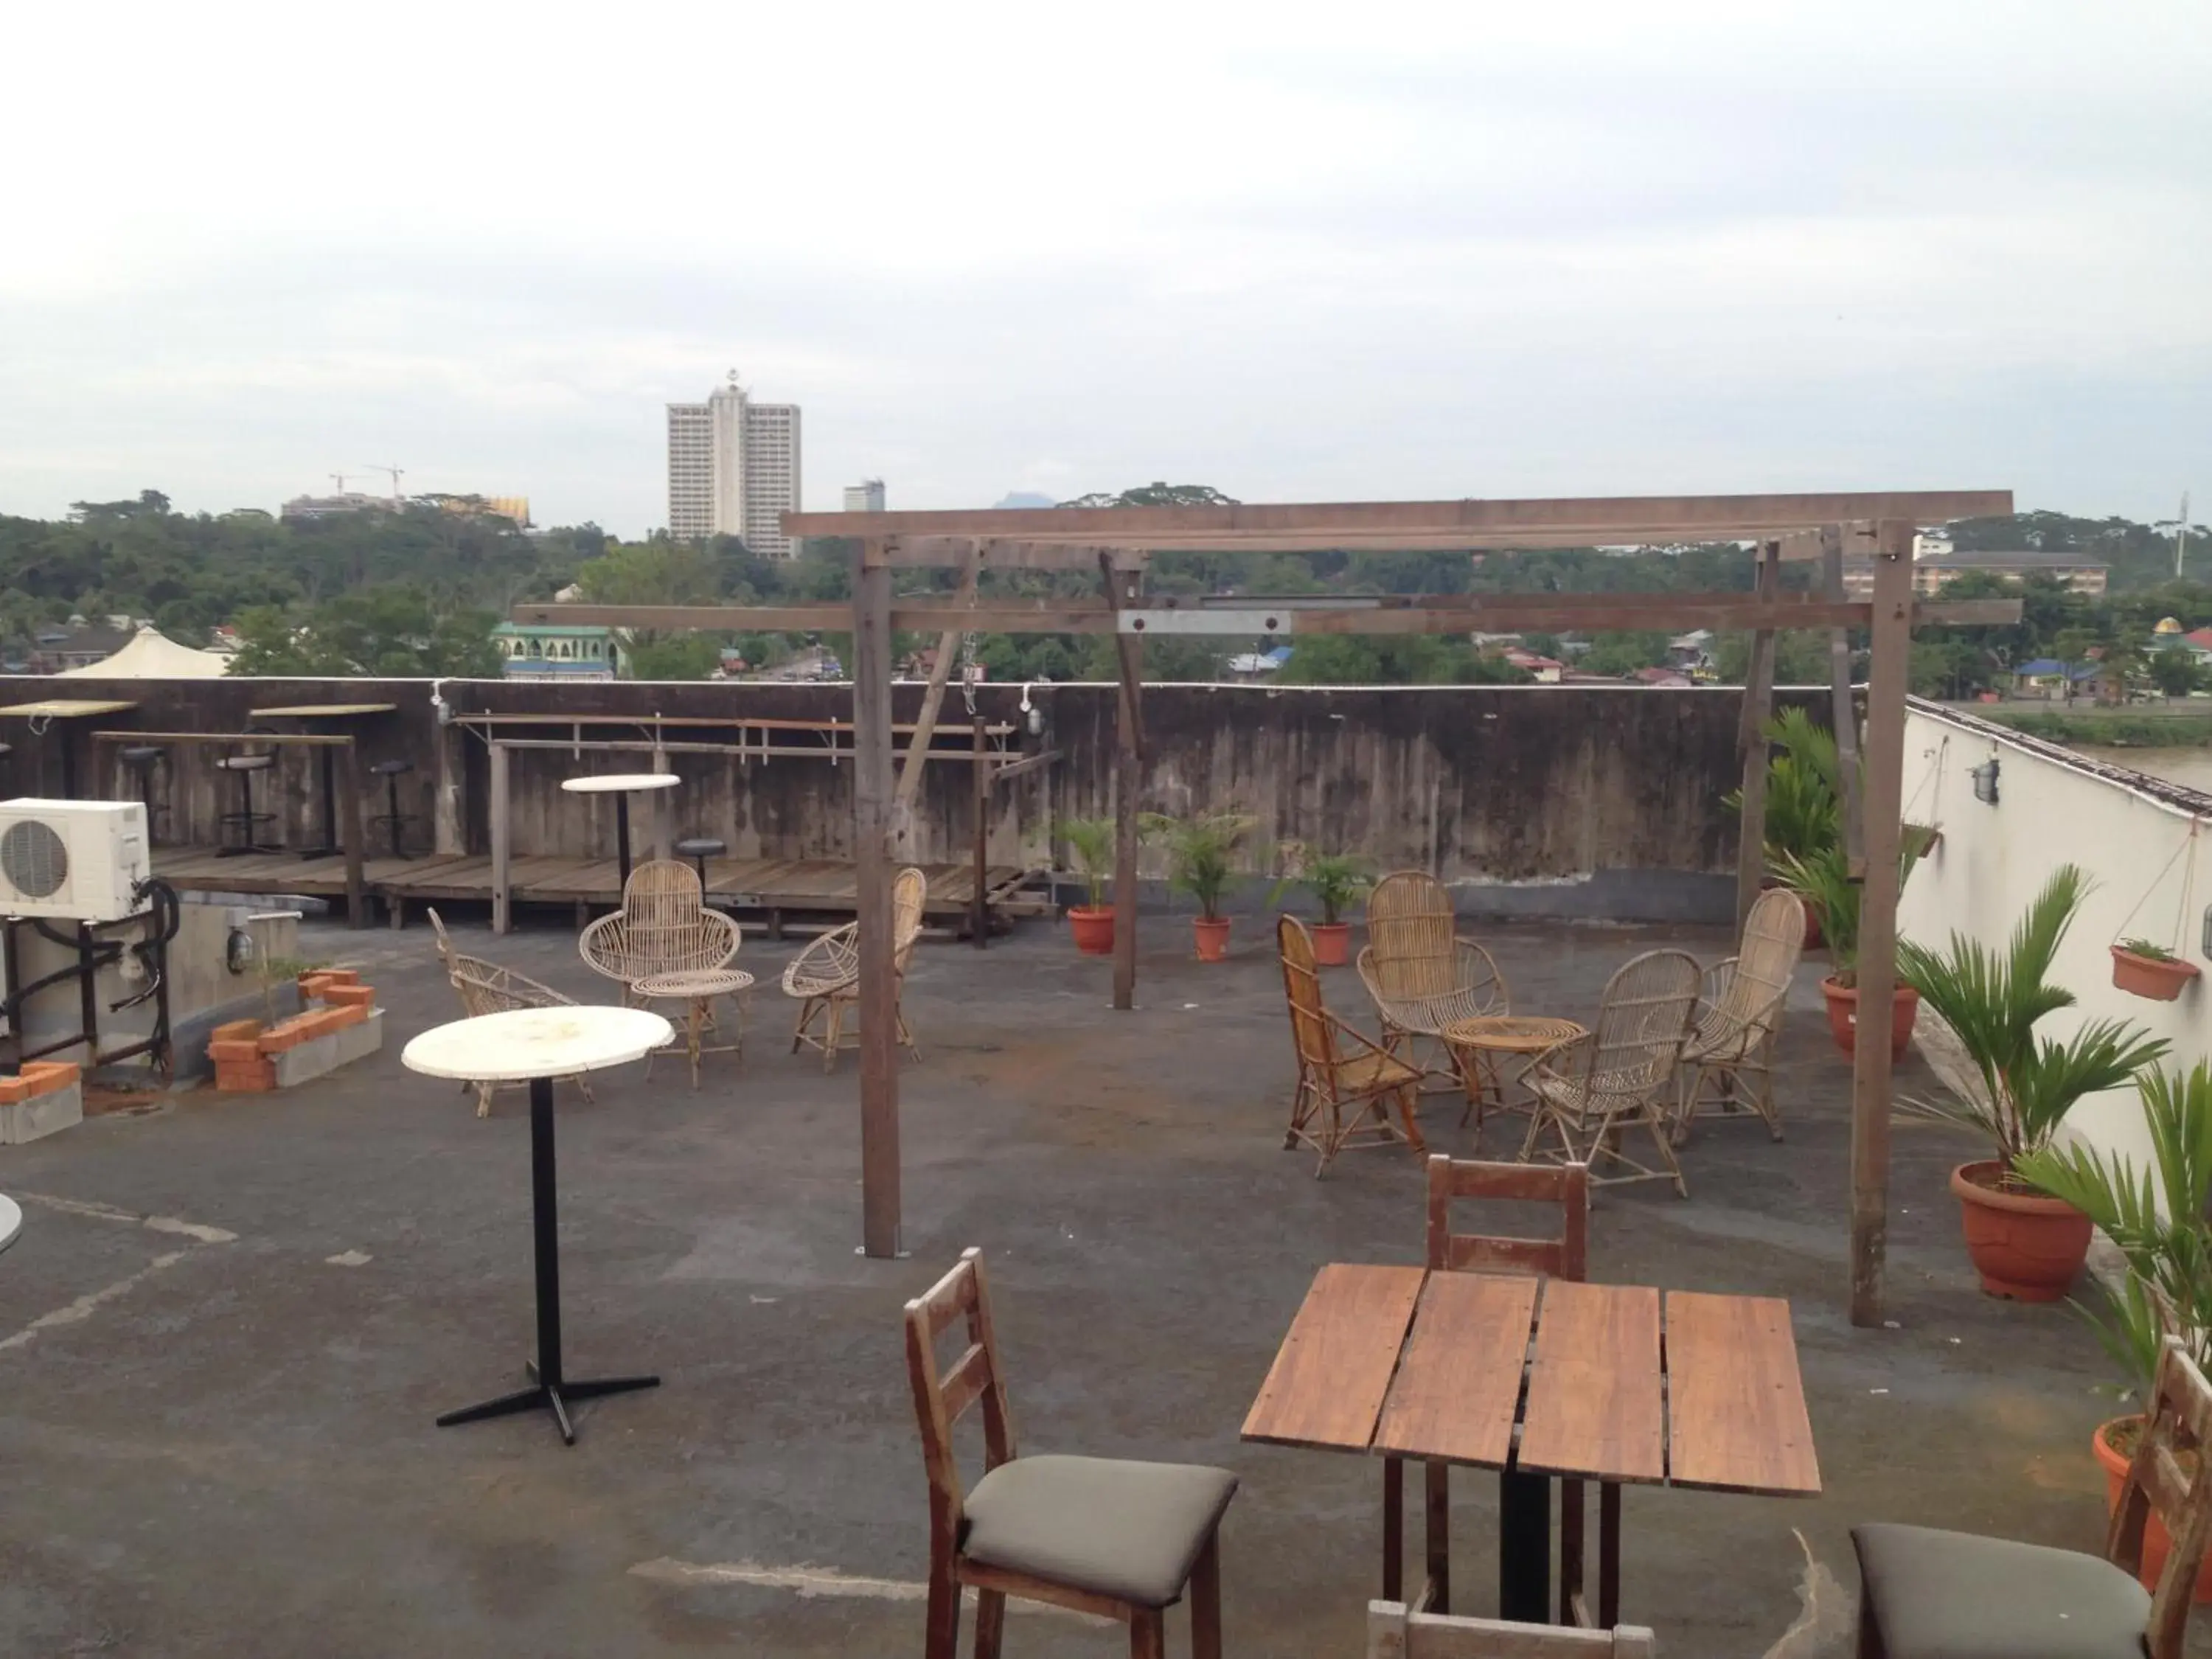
{"x": 1091, "y": 841}
{"x": 2026, "y": 1243}
{"x": 2150, "y": 971}
{"x": 1336, "y": 880}
{"x": 1823, "y": 881}
{"x": 1199, "y": 854}
{"x": 2158, "y": 1219}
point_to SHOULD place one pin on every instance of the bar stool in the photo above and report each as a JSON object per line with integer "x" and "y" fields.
{"x": 142, "y": 759}
{"x": 699, "y": 849}
{"x": 393, "y": 819}
{"x": 245, "y": 819}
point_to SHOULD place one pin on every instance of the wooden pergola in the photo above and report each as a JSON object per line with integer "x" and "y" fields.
{"x": 1117, "y": 542}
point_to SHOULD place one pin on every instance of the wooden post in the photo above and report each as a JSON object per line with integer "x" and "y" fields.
{"x": 1121, "y": 586}
{"x": 1751, "y": 745}
{"x": 872, "y": 787}
{"x": 1843, "y": 714}
{"x": 502, "y": 900}
{"x": 356, "y": 890}
{"x": 1887, "y": 677}
{"x": 979, "y": 910}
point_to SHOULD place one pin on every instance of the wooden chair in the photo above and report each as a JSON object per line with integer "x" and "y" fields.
{"x": 1733, "y": 1034}
{"x": 1393, "y": 1631}
{"x": 664, "y": 926}
{"x": 1339, "y": 1071}
{"x": 1619, "y": 1074}
{"x": 1930, "y": 1594}
{"x": 825, "y": 977}
{"x": 1421, "y": 972}
{"x": 1566, "y": 1256}
{"x": 1120, "y": 1539}
{"x": 485, "y": 987}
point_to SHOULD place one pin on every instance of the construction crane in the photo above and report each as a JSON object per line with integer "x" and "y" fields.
{"x": 395, "y": 476}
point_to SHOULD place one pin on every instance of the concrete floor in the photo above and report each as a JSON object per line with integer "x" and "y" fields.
{"x": 219, "y": 1442}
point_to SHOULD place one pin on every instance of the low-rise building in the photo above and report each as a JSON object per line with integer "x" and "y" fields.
{"x": 547, "y": 651}
{"x": 1933, "y": 571}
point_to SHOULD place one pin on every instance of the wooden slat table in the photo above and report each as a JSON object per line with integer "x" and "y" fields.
{"x": 1538, "y": 1378}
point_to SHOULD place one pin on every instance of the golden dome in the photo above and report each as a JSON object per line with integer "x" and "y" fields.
{"x": 2168, "y": 625}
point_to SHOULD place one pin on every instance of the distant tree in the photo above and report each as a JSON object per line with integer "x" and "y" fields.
{"x": 2175, "y": 672}
{"x": 675, "y": 657}
{"x": 1157, "y": 495}
{"x": 1623, "y": 653}
{"x": 393, "y": 632}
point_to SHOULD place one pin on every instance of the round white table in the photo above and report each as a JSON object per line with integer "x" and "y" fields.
{"x": 11, "y": 1220}
{"x": 537, "y": 1045}
{"x": 622, "y": 786}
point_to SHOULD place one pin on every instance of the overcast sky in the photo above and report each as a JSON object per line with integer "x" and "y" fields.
{"x": 1346, "y": 254}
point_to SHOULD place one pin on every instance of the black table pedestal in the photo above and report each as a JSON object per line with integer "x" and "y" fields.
{"x": 549, "y": 1387}
{"x": 1524, "y": 1546}
{"x": 621, "y": 839}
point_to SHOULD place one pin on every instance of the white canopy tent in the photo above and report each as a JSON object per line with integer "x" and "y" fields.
{"x": 153, "y": 655}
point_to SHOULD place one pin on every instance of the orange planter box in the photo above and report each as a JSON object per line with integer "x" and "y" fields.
{"x": 234, "y": 1051}
{"x": 287, "y": 1033}
{"x": 342, "y": 996}
{"x": 46, "y": 1077}
{"x": 350, "y": 1013}
{"x": 244, "y": 1078}
{"x": 237, "y": 1031}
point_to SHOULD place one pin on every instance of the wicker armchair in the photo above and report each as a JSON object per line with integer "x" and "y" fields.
{"x": 664, "y": 926}
{"x": 1339, "y": 1069}
{"x": 1733, "y": 1034}
{"x": 1618, "y": 1075}
{"x": 825, "y": 977}
{"x": 485, "y": 987}
{"x": 1421, "y": 972}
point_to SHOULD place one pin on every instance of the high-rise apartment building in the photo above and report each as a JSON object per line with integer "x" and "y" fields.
{"x": 733, "y": 469}
{"x": 865, "y": 496}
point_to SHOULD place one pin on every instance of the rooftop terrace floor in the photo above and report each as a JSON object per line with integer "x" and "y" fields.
{"x": 226, "y": 1448}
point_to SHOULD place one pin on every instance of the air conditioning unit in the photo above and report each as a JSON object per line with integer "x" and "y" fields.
{"x": 79, "y": 859}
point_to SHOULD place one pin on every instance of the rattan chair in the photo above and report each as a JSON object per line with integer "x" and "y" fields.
{"x": 825, "y": 977}
{"x": 1733, "y": 1035}
{"x": 1619, "y": 1074}
{"x": 1339, "y": 1071}
{"x": 664, "y": 926}
{"x": 485, "y": 987}
{"x": 1421, "y": 972}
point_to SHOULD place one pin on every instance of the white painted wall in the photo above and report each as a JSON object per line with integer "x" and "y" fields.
{"x": 2147, "y": 844}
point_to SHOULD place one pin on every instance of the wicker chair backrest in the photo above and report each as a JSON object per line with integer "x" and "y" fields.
{"x": 1410, "y": 929}
{"x": 1316, "y": 1039}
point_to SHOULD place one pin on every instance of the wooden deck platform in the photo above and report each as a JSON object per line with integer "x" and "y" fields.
{"x": 771, "y": 887}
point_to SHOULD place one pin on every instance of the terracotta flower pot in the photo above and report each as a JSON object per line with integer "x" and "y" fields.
{"x": 1843, "y": 1015}
{"x": 2026, "y": 1245}
{"x": 1212, "y": 936}
{"x": 1093, "y": 927}
{"x": 1332, "y": 943}
{"x": 2158, "y": 1543}
{"x": 2150, "y": 977}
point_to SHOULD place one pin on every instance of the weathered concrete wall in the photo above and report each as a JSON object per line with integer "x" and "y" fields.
{"x": 1542, "y": 799}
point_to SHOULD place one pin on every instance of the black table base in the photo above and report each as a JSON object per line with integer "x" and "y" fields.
{"x": 547, "y": 1387}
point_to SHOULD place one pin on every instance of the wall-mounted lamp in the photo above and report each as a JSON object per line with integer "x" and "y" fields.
{"x": 1985, "y": 781}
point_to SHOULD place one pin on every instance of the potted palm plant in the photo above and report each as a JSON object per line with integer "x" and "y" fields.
{"x": 2150, "y": 971}
{"x": 2161, "y": 1220}
{"x": 1823, "y": 880}
{"x": 1336, "y": 880}
{"x": 1200, "y": 850}
{"x": 1804, "y": 800}
{"x": 1091, "y": 841}
{"x": 2025, "y": 1242}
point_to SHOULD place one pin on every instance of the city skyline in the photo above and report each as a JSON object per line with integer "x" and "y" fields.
{"x": 1610, "y": 249}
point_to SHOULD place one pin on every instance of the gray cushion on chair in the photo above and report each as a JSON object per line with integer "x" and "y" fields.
{"x": 1953, "y": 1595}
{"x": 1127, "y": 1530}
